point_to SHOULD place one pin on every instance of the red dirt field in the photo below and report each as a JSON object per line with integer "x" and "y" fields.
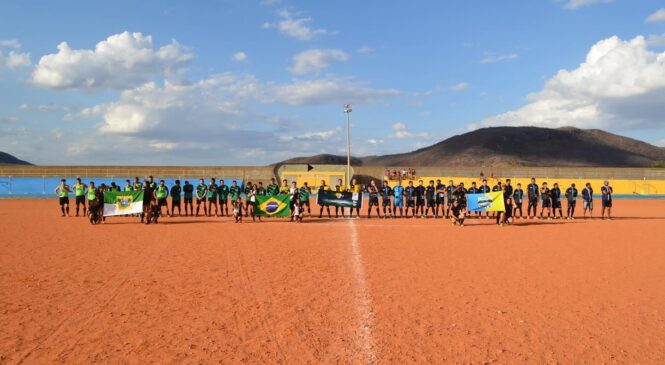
{"x": 205, "y": 290}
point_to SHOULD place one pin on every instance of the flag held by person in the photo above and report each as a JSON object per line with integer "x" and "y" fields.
{"x": 121, "y": 203}
{"x": 486, "y": 202}
{"x": 273, "y": 206}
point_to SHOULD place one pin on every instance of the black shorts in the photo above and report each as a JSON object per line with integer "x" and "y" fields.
{"x": 533, "y": 202}
{"x": 188, "y": 200}
{"x": 420, "y": 202}
{"x": 440, "y": 200}
{"x": 572, "y": 203}
{"x": 607, "y": 203}
{"x": 431, "y": 202}
{"x": 304, "y": 202}
{"x": 249, "y": 203}
{"x": 80, "y": 199}
{"x": 200, "y": 200}
{"x": 556, "y": 204}
{"x": 64, "y": 200}
{"x": 410, "y": 203}
{"x": 175, "y": 202}
{"x": 212, "y": 200}
{"x": 223, "y": 201}
{"x": 547, "y": 203}
{"x": 161, "y": 202}
{"x": 374, "y": 202}
{"x": 386, "y": 202}
{"x": 517, "y": 205}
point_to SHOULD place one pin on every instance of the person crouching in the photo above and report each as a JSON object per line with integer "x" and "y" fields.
{"x": 457, "y": 213}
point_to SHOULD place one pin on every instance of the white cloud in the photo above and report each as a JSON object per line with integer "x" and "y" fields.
{"x": 326, "y": 91}
{"x": 498, "y": 58}
{"x": 655, "y": 40}
{"x": 239, "y": 57}
{"x": 364, "y": 50}
{"x": 310, "y": 136}
{"x": 121, "y": 61}
{"x": 374, "y": 141}
{"x": 660, "y": 143}
{"x": 460, "y": 86}
{"x": 295, "y": 27}
{"x": 315, "y": 60}
{"x": 401, "y": 131}
{"x": 163, "y": 146}
{"x": 9, "y": 120}
{"x": 57, "y": 133}
{"x": 657, "y": 16}
{"x": 575, "y": 4}
{"x": 10, "y": 43}
{"x": 45, "y": 108}
{"x": 620, "y": 85}
{"x": 16, "y": 60}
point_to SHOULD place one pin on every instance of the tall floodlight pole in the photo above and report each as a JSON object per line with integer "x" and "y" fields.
{"x": 347, "y": 111}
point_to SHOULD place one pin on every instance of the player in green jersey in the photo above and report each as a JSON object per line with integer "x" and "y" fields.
{"x": 137, "y": 184}
{"x": 234, "y": 191}
{"x": 79, "y": 192}
{"x": 273, "y": 188}
{"x": 161, "y": 193}
{"x": 201, "y": 190}
{"x": 248, "y": 190}
{"x": 63, "y": 191}
{"x": 305, "y": 191}
{"x": 212, "y": 197}
{"x": 223, "y": 192}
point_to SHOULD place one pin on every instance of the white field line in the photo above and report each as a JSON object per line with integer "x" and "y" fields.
{"x": 364, "y": 340}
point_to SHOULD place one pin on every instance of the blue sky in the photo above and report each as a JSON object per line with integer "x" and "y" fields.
{"x": 253, "y": 82}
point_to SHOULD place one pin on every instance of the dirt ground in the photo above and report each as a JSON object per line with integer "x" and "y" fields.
{"x": 205, "y": 290}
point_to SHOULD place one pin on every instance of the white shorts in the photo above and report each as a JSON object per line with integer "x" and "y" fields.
{"x": 588, "y": 205}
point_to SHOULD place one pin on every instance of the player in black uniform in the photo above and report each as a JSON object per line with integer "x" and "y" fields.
{"x": 175, "y": 197}
{"x": 430, "y": 198}
{"x": 188, "y": 191}
{"x": 458, "y": 213}
{"x": 571, "y": 197}
{"x": 386, "y": 192}
{"x": 518, "y": 199}
{"x": 555, "y": 193}
{"x": 462, "y": 195}
{"x": 410, "y": 195}
{"x": 420, "y": 199}
{"x": 546, "y": 201}
{"x": 484, "y": 188}
{"x": 440, "y": 198}
{"x": 532, "y": 192}
{"x": 450, "y": 189}
{"x": 373, "y": 192}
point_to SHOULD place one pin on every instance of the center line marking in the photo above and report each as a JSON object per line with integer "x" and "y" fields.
{"x": 364, "y": 341}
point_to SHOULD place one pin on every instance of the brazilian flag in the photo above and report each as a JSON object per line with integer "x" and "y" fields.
{"x": 273, "y": 206}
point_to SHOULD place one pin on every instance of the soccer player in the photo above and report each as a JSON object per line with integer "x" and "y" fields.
{"x": 462, "y": 195}
{"x": 484, "y": 188}
{"x": 212, "y": 197}
{"x": 284, "y": 189}
{"x": 518, "y": 199}
{"x": 398, "y": 193}
{"x": 293, "y": 191}
{"x": 114, "y": 187}
{"x": 161, "y": 193}
{"x": 555, "y": 192}
{"x": 250, "y": 198}
{"x": 128, "y": 186}
{"x": 273, "y": 188}
{"x": 373, "y": 192}
{"x": 430, "y": 193}
{"x": 260, "y": 190}
{"x": 323, "y": 188}
{"x": 546, "y": 202}
{"x": 90, "y": 193}
{"x": 386, "y": 192}
{"x": 607, "y": 192}
{"x": 340, "y": 189}
{"x": 188, "y": 190}
{"x": 248, "y": 189}
{"x": 587, "y": 198}
{"x": 234, "y": 191}
{"x": 450, "y": 189}
{"x": 355, "y": 188}
{"x": 79, "y": 192}
{"x": 223, "y": 194}
{"x": 305, "y": 191}
{"x": 175, "y": 197}
{"x": 458, "y": 214}
{"x": 474, "y": 190}
{"x": 509, "y": 188}
{"x": 440, "y": 198}
{"x": 148, "y": 198}
{"x": 151, "y": 181}
{"x": 201, "y": 191}
{"x": 571, "y": 197}
{"x": 420, "y": 199}
{"x": 410, "y": 195}
{"x": 532, "y": 191}
{"x": 137, "y": 184}
{"x": 63, "y": 191}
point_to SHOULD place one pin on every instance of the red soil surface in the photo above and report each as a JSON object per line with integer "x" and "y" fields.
{"x": 205, "y": 290}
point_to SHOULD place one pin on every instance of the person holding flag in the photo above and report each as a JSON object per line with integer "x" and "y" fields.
{"x": 339, "y": 188}
{"x": 273, "y": 188}
{"x": 322, "y": 189}
{"x": 305, "y": 191}
{"x": 355, "y": 188}
{"x": 137, "y": 184}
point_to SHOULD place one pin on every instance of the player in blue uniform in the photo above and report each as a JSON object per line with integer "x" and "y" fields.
{"x": 398, "y": 193}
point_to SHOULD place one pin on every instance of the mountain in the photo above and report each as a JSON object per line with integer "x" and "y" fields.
{"x": 519, "y": 146}
{"x": 7, "y": 159}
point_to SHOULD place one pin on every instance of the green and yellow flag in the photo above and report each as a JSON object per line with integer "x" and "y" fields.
{"x": 273, "y": 206}
{"x": 121, "y": 203}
